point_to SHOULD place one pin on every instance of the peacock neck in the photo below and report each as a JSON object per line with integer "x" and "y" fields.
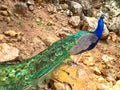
{"x": 100, "y": 28}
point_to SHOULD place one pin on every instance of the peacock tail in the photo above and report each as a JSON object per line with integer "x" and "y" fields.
{"x": 29, "y": 72}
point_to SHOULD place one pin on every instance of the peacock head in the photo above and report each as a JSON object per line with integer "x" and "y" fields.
{"x": 102, "y": 16}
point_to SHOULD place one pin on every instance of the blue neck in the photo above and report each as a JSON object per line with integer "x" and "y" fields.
{"x": 100, "y": 28}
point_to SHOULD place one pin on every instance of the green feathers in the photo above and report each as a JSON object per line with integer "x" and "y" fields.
{"x": 17, "y": 76}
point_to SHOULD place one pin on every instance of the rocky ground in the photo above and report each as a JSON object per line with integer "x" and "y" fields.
{"x": 28, "y": 27}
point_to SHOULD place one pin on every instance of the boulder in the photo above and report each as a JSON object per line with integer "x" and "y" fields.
{"x": 75, "y": 7}
{"x": 21, "y": 8}
{"x": 86, "y": 6}
{"x": 114, "y": 25}
{"x": 74, "y": 21}
{"x": 8, "y": 53}
{"x": 74, "y": 77}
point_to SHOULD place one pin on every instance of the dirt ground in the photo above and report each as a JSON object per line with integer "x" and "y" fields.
{"x": 37, "y": 30}
{"x": 33, "y": 30}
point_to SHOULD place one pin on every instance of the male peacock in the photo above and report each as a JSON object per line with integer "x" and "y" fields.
{"x": 89, "y": 40}
{"x": 29, "y": 72}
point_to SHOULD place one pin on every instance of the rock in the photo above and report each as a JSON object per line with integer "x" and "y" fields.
{"x": 10, "y": 33}
{"x": 117, "y": 85}
{"x": 4, "y": 13}
{"x": 38, "y": 1}
{"x": 31, "y": 7}
{"x": 103, "y": 84}
{"x": 8, "y": 53}
{"x": 74, "y": 21}
{"x": 111, "y": 79}
{"x": 1, "y": 36}
{"x": 110, "y": 10}
{"x": 69, "y": 13}
{"x": 62, "y": 86}
{"x": 75, "y": 59}
{"x": 20, "y": 36}
{"x": 84, "y": 25}
{"x": 77, "y": 77}
{"x": 10, "y": 12}
{"x": 64, "y": 6}
{"x": 114, "y": 25}
{"x": 30, "y": 2}
{"x": 116, "y": 3}
{"x": 97, "y": 4}
{"x": 7, "y": 19}
{"x": 52, "y": 9}
{"x": 112, "y": 36}
{"x": 113, "y": 14}
{"x": 101, "y": 80}
{"x": 92, "y": 22}
{"x": 21, "y": 8}
{"x": 96, "y": 70}
{"x": 88, "y": 60}
{"x": 103, "y": 87}
{"x": 49, "y": 40}
{"x": 63, "y": 32}
{"x": 86, "y": 6}
{"x": 3, "y": 7}
{"x": 55, "y": 2}
{"x": 76, "y": 8}
{"x": 106, "y": 58}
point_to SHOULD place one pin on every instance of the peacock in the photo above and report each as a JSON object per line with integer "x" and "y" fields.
{"x": 29, "y": 72}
